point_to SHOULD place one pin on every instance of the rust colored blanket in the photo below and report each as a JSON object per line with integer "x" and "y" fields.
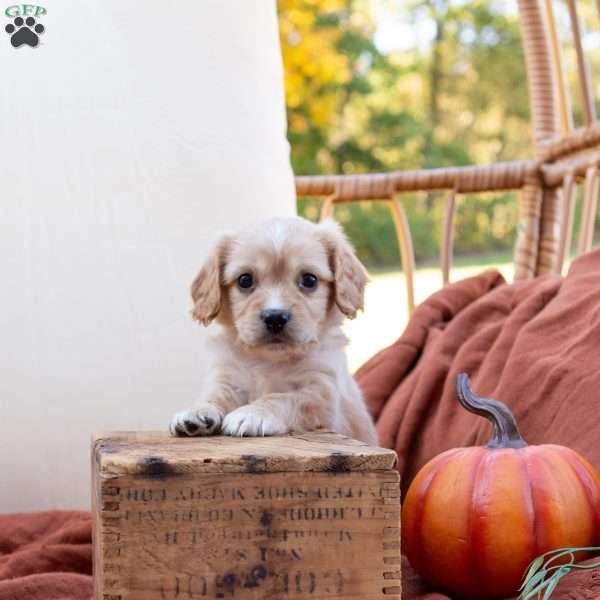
{"x": 535, "y": 345}
{"x": 46, "y": 556}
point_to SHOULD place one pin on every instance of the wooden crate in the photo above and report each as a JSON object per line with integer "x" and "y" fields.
{"x": 303, "y": 516}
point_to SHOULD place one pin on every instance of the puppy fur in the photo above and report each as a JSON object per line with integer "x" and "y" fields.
{"x": 265, "y": 382}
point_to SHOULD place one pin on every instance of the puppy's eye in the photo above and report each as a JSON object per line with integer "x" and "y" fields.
{"x": 245, "y": 281}
{"x": 308, "y": 281}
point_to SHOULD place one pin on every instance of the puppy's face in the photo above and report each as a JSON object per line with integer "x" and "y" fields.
{"x": 278, "y": 286}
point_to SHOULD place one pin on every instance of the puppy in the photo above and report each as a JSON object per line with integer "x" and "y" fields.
{"x": 280, "y": 292}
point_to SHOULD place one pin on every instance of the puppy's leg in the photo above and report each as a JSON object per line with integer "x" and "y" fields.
{"x": 206, "y": 416}
{"x": 360, "y": 421}
{"x": 279, "y": 413}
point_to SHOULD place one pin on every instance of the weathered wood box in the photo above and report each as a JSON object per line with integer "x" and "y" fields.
{"x": 303, "y": 516}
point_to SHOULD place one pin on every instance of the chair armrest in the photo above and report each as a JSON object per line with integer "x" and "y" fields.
{"x": 377, "y": 186}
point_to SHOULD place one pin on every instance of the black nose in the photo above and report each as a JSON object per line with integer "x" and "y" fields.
{"x": 275, "y": 319}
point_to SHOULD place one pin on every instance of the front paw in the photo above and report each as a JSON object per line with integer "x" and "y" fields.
{"x": 252, "y": 420}
{"x": 204, "y": 419}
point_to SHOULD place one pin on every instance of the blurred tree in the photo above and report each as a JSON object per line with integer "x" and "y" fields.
{"x": 458, "y": 97}
{"x": 333, "y": 70}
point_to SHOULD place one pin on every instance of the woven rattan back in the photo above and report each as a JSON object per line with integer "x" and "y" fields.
{"x": 571, "y": 152}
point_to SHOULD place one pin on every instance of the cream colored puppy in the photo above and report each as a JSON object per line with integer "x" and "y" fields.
{"x": 279, "y": 292}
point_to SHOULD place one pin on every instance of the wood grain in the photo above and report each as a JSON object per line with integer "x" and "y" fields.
{"x": 304, "y": 516}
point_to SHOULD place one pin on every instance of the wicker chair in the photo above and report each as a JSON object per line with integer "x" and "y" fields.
{"x": 565, "y": 157}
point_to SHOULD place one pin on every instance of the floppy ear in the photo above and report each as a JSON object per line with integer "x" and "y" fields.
{"x": 206, "y": 288}
{"x": 349, "y": 275}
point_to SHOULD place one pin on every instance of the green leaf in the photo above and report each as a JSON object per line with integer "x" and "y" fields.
{"x": 534, "y": 584}
{"x": 533, "y": 567}
{"x": 536, "y": 589}
{"x": 554, "y": 581}
{"x": 542, "y": 574}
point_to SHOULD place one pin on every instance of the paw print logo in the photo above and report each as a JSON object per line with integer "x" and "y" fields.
{"x": 24, "y": 31}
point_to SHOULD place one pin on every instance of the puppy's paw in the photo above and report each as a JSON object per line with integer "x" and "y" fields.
{"x": 253, "y": 420}
{"x": 204, "y": 419}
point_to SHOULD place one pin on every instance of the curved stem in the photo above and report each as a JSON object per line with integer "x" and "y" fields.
{"x": 506, "y": 433}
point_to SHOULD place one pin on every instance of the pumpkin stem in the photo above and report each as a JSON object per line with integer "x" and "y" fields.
{"x": 506, "y": 433}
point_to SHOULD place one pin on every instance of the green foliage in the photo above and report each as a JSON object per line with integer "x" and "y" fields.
{"x": 482, "y": 224}
{"x": 546, "y": 571}
{"x": 459, "y": 98}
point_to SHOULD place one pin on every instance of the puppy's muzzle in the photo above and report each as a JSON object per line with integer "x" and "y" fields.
{"x": 275, "y": 320}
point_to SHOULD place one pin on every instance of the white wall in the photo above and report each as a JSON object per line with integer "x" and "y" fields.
{"x": 130, "y": 135}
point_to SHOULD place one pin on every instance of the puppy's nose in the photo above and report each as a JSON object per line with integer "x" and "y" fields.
{"x": 275, "y": 319}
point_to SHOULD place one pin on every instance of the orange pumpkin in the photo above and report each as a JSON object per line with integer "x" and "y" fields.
{"x": 474, "y": 518}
